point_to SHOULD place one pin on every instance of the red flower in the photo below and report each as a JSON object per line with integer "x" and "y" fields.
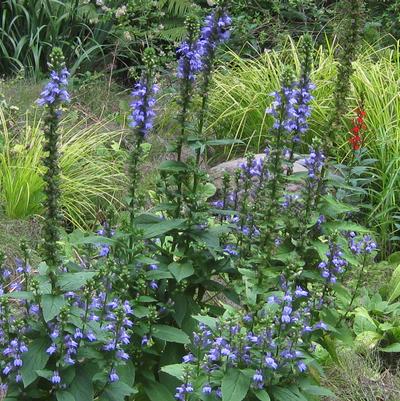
{"x": 355, "y": 142}
{"x": 357, "y": 131}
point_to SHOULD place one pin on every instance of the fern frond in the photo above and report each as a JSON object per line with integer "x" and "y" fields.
{"x": 178, "y": 8}
{"x": 175, "y": 34}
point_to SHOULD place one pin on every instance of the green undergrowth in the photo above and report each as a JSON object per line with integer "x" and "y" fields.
{"x": 362, "y": 378}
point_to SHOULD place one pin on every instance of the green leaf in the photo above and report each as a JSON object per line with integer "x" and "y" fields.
{"x": 74, "y": 281}
{"x": 157, "y": 392}
{"x": 27, "y": 295}
{"x": 126, "y": 373}
{"x": 51, "y": 305}
{"x": 47, "y": 374}
{"x": 81, "y": 387}
{"x": 284, "y": 394}
{"x": 64, "y": 396}
{"x": 35, "y": 359}
{"x": 391, "y": 348}
{"x": 363, "y": 321}
{"x": 171, "y": 334}
{"x": 140, "y": 311}
{"x": 317, "y": 390}
{"x": 158, "y": 274}
{"x": 235, "y": 385}
{"x": 176, "y": 370}
{"x": 160, "y": 227}
{"x": 181, "y": 270}
{"x": 117, "y": 392}
{"x": 262, "y": 395}
{"x": 394, "y": 285}
{"x": 394, "y": 258}
{"x": 367, "y": 340}
{"x": 207, "y": 190}
{"x": 93, "y": 239}
{"x": 209, "y": 321}
{"x": 182, "y": 305}
{"x": 173, "y": 166}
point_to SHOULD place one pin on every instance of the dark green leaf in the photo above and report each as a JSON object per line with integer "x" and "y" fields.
{"x": 262, "y": 395}
{"x": 126, "y": 373}
{"x": 235, "y": 385}
{"x": 173, "y": 165}
{"x": 117, "y": 392}
{"x": 140, "y": 311}
{"x": 93, "y": 239}
{"x": 81, "y": 387}
{"x": 176, "y": 370}
{"x": 158, "y": 274}
{"x": 171, "y": 334}
{"x": 181, "y": 308}
{"x": 157, "y": 392}
{"x": 35, "y": 359}
{"x": 51, "y": 305}
{"x": 284, "y": 394}
{"x": 47, "y": 374}
{"x": 181, "y": 270}
{"x": 64, "y": 396}
{"x": 160, "y": 228}
{"x": 219, "y": 142}
{"x": 74, "y": 281}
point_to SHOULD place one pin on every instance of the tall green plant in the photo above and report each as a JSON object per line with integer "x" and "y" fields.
{"x": 52, "y": 97}
{"x": 349, "y": 34}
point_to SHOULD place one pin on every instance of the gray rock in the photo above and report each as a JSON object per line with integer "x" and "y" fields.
{"x": 217, "y": 172}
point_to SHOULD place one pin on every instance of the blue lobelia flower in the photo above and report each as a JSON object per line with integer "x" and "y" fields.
{"x": 215, "y": 31}
{"x": 55, "y": 91}
{"x": 143, "y": 103}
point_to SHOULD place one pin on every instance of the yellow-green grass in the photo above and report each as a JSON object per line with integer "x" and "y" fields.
{"x": 242, "y": 93}
{"x": 92, "y": 169}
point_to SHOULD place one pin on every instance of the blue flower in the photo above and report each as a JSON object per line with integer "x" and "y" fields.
{"x": 113, "y": 376}
{"x": 314, "y": 164}
{"x": 258, "y": 379}
{"x": 215, "y": 31}
{"x": 335, "y": 263}
{"x": 55, "y": 90}
{"x": 55, "y": 379}
{"x": 188, "y": 358}
{"x": 182, "y": 390}
{"x": 52, "y": 349}
{"x": 206, "y": 389}
{"x": 143, "y": 103}
{"x": 270, "y": 362}
{"x": 301, "y": 366}
{"x": 190, "y": 62}
{"x": 231, "y": 250}
{"x": 365, "y": 245}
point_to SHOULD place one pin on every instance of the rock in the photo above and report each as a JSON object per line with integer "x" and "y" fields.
{"x": 217, "y": 172}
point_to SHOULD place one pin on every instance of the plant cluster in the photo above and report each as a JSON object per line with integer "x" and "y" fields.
{"x": 106, "y": 324}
